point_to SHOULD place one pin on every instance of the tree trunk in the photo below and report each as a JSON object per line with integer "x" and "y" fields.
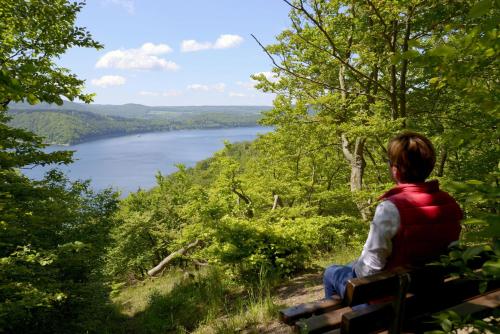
{"x": 443, "y": 156}
{"x": 277, "y": 201}
{"x": 357, "y": 161}
{"x": 160, "y": 266}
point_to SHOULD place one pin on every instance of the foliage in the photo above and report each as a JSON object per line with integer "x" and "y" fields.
{"x": 281, "y": 247}
{"x": 208, "y": 203}
{"x": 146, "y": 225}
{"x": 51, "y": 264}
{"x": 451, "y": 322}
{"x": 54, "y": 232}
{"x": 30, "y": 42}
{"x": 482, "y": 235}
{"x": 348, "y": 75}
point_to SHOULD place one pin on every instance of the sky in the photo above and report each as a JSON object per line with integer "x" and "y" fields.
{"x": 177, "y": 53}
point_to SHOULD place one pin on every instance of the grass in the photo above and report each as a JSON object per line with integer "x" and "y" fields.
{"x": 206, "y": 301}
{"x": 343, "y": 255}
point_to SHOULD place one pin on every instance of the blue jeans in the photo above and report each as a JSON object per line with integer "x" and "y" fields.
{"x": 335, "y": 279}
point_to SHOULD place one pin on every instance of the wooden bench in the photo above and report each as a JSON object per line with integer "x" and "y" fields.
{"x": 402, "y": 300}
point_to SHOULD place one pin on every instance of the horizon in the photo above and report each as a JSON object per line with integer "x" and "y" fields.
{"x": 144, "y": 105}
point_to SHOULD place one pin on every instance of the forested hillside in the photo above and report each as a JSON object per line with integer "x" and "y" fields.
{"x": 224, "y": 234}
{"x": 61, "y": 126}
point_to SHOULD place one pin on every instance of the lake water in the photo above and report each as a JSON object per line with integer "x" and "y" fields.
{"x": 131, "y": 162}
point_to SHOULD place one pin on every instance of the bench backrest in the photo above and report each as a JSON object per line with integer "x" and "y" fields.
{"x": 386, "y": 284}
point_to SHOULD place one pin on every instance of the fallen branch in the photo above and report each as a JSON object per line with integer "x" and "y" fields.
{"x": 160, "y": 266}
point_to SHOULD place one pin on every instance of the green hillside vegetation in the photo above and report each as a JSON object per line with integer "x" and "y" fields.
{"x": 236, "y": 226}
{"x": 71, "y": 127}
{"x": 133, "y": 110}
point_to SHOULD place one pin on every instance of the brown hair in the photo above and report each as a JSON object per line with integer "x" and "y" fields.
{"x": 413, "y": 155}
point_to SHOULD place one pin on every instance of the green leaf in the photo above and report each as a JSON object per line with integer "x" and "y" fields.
{"x": 475, "y": 221}
{"x": 443, "y": 51}
{"x": 395, "y": 58}
{"x": 410, "y": 54}
{"x": 483, "y": 285}
{"x": 480, "y": 8}
{"x": 434, "y": 81}
{"x": 490, "y": 52}
{"x": 492, "y": 267}
{"x": 32, "y": 99}
{"x": 447, "y": 325}
{"x": 471, "y": 252}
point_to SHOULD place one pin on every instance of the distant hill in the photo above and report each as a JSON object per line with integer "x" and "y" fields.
{"x": 76, "y": 122}
{"x": 132, "y": 110}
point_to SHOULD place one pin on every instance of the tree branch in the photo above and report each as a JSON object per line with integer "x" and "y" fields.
{"x": 345, "y": 148}
{"x": 160, "y": 266}
{"x": 335, "y": 53}
{"x": 287, "y": 70}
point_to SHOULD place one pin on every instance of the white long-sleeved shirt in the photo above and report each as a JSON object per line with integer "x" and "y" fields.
{"x": 378, "y": 245}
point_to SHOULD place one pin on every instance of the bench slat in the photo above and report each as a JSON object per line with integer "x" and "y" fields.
{"x": 292, "y": 314}
{"x": 385, "y": 284}
{"x": 321, "y": 323}
{"x": 377, "y": 317}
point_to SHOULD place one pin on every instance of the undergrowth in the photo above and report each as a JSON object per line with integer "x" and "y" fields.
{"x": 205, "y": 301}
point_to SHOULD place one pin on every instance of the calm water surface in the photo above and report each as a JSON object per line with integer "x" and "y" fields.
{"x": 131, "y": 162}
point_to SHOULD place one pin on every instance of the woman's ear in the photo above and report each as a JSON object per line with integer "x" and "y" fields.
{"x": 395, "y": 174}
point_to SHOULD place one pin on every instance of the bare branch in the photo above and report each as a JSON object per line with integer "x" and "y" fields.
{"x": 335, "y": 52}
{"x": 324, "y": 84}
{"x": 160, "y": 266}
{"x": 377, "y": 14}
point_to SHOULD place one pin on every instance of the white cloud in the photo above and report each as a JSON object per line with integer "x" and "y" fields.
{"x": 233, "y": 94}
{"x": 225, "y": 41}
{"x": 198, "y": 87}
{"x": 171, "y": 93}
{"x": 191, "y": 45}
{"x": 218, "y": 87}
{"x": 155, "y": 49}
{"x": 168, "y": 93}
{"x": 109, "y": 80}
{"x": 148, "y": 93}
{"x": 247, "y": 84}
{"x": 143, "y": 58}
{"x": 129, "y": 5}
{"x": 228, "y": 41}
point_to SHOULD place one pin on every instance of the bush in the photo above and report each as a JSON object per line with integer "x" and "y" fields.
{"x": 282, "y": 247}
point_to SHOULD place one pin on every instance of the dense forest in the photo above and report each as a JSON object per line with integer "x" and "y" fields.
{"x": 62, "y": 126}
{"x": 224, "y": 234}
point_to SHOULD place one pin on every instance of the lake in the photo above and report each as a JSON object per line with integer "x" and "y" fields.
{"x": 131, "y": 162}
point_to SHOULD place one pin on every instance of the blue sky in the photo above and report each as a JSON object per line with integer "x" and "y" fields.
{"x": 188, "y": 52}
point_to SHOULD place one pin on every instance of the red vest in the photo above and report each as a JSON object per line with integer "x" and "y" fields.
{"x": 430, "y": 221}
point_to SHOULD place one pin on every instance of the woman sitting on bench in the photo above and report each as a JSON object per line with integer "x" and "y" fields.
{"x": 414, "y": 223}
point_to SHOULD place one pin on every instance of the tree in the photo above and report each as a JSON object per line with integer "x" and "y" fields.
{"x": 33, "y": 34}
{"x": 53, "y": 231}
{"x": 363, "y": 71}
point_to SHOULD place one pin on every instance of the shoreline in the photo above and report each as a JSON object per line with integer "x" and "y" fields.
{"x": 115, "y": 135}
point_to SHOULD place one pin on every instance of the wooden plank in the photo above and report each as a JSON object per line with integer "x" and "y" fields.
{"x": 362, "y": 290}
{"x": 368, "y": 319}
{"x": 418, "y": 307}
{"x": 292, "y": 314}
{"x": 333, "y": 331}
{"x": 321, "y": 323}
{"x": 478, "y": 307}
{"x": 385, "y": 284}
